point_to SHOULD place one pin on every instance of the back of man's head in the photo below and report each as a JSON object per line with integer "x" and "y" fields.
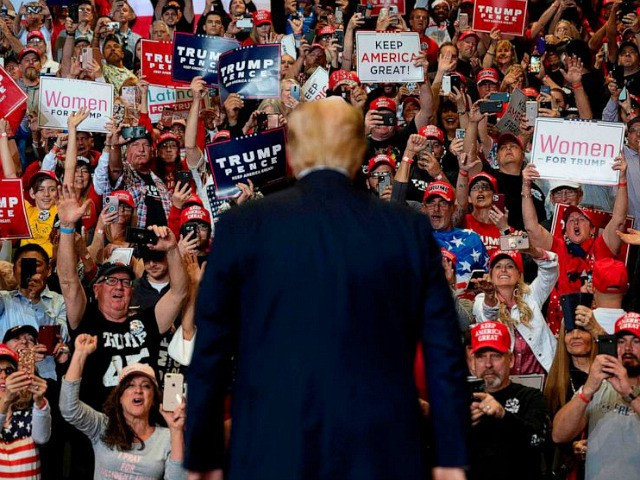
{"x": 327, "y": 132}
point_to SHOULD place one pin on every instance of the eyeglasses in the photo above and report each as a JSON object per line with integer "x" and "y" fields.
{"x": 34, "y": 41}
{"x": 565, "y": 192}
{"x": 113, "y": 281}
{"x": 481, "y": 187}
{"x": 84, "y": 10}
{"x": 8, "y": 370}
{"x": 201, "y": 227}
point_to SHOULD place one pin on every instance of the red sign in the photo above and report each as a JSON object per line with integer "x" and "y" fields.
{"x": 508, "y": 16}
{"x": 378, "y": 4}
{"x": 13, "y": 216}
{"x": 157, "y": 58}
{"x": 12, "y": 99}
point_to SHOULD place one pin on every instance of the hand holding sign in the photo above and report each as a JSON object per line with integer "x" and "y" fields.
{"x": 198, "y": 87}
{"x": 620, "y": 164}
{"x": 632, "y": 237}
{"x": 4, "y": 127}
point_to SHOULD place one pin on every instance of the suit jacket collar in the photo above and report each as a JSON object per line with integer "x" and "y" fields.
{"x": 323, "y": 177}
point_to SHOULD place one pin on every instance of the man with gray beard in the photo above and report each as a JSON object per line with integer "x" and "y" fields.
{"x": 509, "y": 421}
{"x": 30, "y": 64}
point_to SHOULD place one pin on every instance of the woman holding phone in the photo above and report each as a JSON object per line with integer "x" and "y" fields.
{"x": 130, "y": 423}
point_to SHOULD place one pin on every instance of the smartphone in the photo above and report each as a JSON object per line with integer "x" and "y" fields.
{"x": 172, "y": 391}
{"x": 490, "y": 106}
{"x": 111, "y": 203}
{"x": 166, "y": 119}
{"x": 28, "y": 267}
{"x": 623, "y": 95}
{"x": 113, "y": 26}
{"x": 541, "y": 45}
{"x": 118, "y": 114}
{"x": 499, "y": 97}
{"x": 531, "y": 112}
{"x": 499, "y": 201}
{"x": 445, "y": 88}
{"x": 273, "y": 121}
{"x": 384, "y": 180}
{"x": 49, "y": 336}
{"x": 86, "y": 59}
{"x": 244, "y": 23}
{"x": 339, "y": 36}
{"x": 617, "y": 72}
{"x": 362, "y": 10}
{"x": 460, "y": 132}
{"x": 475, "y": 274}
{"x": 140, "y": 236}
{"x": 133, "y": 132}
{"x": 26, "y": 361}
{"x": 605, "y": 50}
{"x": 182, "y": 178}
{"x": 476, "y": 385}
{"x": 546, "y": 89}
{"x": 463, "y": 21}
{"x": 261, "y": 120}
{"x": 534, "y": 64}
{"x": 514, "y": 242}
{"x": 339, "y": 16}
{"x": 130, "y": 95}
{"x": 295, "y": 92}
{"x": 388, "y": 119}
{"x": 548, "y": 105}
{"x": 608, "y": 345}
{"x": 36, "y": 9}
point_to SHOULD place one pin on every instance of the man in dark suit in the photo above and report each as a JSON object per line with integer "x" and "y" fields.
{"x": 315, "y": 298}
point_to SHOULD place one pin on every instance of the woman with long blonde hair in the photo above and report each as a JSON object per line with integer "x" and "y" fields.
{"x": 508, "y": 299}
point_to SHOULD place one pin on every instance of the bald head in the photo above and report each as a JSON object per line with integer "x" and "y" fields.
{"x": 327, "y": 132}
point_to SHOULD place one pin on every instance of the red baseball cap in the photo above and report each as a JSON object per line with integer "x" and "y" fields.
{"x": 193, "y": 200}
{"x": 43, "y": 173}
{"x": 317, "y": 45}
{"x": 194, "y": 213}
{"x": 484, "y": 176}
{"x": 573, "y": 209}
{"x": 441, "y": 189}
{"x": 383, "y": 102}
{"x": 221, "y": 135}
{"x": 493, "y": 335}
{"x": 411, "y": 99}
{"x": 610, "y": 276}
{"x": 34, "y": 34}
{"x": 381, "y": 159}
{"x": 431, "y": 131}
{"x": 124, "y": 197}
{"x": 166, "y": 137}
{"x": 7, "y": 353}
{"x": 468, "y": 33}
{"x": 28, "y": 50}
{"x": 628, "y": 323}
{"x": 488, "y": 75}
{"x": 511, "y": 254}
{"x": 261, "y": 16}
{"x": 326, "y": 30}
{"x": 510, "y": 137}
{"x": 342, "y": 77}
{"x": 530, "y": 92}
{"x": 449, "y": 255}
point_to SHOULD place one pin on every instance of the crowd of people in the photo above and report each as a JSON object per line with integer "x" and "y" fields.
{"x": 123, "y": 223}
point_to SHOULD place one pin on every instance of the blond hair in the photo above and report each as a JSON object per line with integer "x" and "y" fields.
{"x": 327, "y": 132}
{"x": 525, "y": 311}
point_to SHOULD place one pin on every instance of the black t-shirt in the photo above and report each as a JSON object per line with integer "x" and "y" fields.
{"x": 511, "y": 447}
{"x": 119, "y": 344}
{"x": 153, "y": 201}
{"x": 511, "y": 186}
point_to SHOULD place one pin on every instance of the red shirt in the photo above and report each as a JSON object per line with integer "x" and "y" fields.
{"x": 489, "y": 233}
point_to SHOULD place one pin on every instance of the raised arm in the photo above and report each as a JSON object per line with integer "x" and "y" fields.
{"x": 170, "y": 305}
{"x": 573, "y": 76}
{"x": 620, "y": 207}
{"x": 8, "y": 167}
{"x": 73, "y": 121}
{"x": 194, "y": 154}
{"x": 539, "y": 236}
{"x": 427, "y": 109}
{"x": 70, "y": 212}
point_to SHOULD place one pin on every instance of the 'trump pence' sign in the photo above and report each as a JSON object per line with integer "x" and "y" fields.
{"x": 579, "y": 151}
{"x": 60, "y": 97}
{"x": 13, "y": 216}
{"x": 251, "y": 72}
{"x": 197, "y": 55}
{"x": 506, "y": 15}
{"x": 157, "y": 59}
{"x": 388, "y": 57}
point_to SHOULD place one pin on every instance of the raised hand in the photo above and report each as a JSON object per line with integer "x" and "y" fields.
{"x": 86, "y": 344}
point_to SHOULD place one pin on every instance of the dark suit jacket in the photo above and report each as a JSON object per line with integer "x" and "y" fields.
{"x": 321, "y": 293}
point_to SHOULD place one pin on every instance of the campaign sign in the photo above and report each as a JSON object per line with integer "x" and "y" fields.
{"x": 159, "y": 97}
{"x": 251, "y": 72}
{"x": 388, "y": 57}
{"x": 506, "y": 15}
{"x": 261, "y": 157}
{"x": 157, "y": 60}
{"x": 11, "y": 95}
{"x": 197, "y": 55}
{"x": 579, "y": 151}
{"x": 60, "y": 97}
{"x": 13, "y": 216}
{"x": 516, "y": 111}
{"x": 288, "y": 46}
{"x": 598, "y": 218}
{"x": 315, "y": 88}
{"x": 378, "y": 4}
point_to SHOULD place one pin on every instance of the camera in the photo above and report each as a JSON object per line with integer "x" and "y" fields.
{"x": 134, "y": 133}
{"x": 514, "y": 242}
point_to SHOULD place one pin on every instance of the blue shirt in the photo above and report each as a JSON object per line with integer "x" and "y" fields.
{"x": 16, "y": 309}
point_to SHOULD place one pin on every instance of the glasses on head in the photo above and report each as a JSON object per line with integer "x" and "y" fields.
{"x": 481, "y": 187}
{"x": 34, "y": 41}
{"x": 113, "y": 281}
{"x": 565, "y": 192}
{"x": 8, "y": 370}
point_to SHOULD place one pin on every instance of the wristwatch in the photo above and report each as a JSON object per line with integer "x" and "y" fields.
{"x": 635, "y": 393}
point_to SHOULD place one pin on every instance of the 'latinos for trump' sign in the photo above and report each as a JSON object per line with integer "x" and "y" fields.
{"x": 580, "y": 151}
{"x": 60, "y": 97}
{"x": 180, "y": 99}
{"x": 251, "y": 72}
{"x": 261, "y": 157}
{"x": 197, "y": 55}
{"x": 388, "y": 57}
{"x": 157, "y": 60}
{"x": 506, "y": 15}
{"x": 13, "y": 216}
